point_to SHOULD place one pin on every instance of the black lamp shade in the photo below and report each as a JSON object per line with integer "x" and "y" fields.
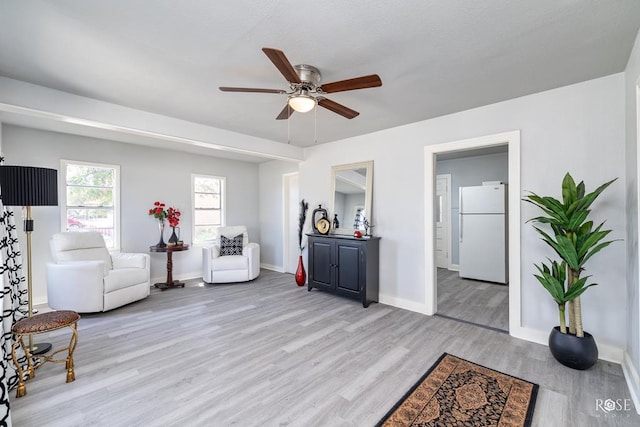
{"x": 28, "y": 186}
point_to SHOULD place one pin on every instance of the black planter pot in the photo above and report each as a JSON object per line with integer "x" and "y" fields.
{"x": 571, "y": 351}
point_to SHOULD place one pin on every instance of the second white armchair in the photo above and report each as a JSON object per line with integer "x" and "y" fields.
{"x": 231, "y": 258}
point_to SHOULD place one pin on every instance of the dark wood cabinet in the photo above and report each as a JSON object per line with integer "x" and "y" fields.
{"x": 344, "y": 265}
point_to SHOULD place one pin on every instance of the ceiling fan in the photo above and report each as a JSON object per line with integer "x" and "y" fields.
{"x": 305, "y": 90}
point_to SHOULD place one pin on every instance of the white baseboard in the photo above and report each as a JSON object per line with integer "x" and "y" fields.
{"x": 605, "y": 351}
{"x": 632, "y": 379}
{"x": 402, "y": 303}
{"x": 454, "y": 267}
{"x": 276, "y": 268}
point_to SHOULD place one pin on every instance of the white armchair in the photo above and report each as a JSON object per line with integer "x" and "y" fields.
{"x": 84, "y": 277}
{"x": 227, "y": 268}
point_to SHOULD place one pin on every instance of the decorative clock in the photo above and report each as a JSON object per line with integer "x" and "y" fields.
{"x": 323, "y": 225}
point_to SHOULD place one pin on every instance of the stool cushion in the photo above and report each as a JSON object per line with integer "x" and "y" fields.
{"x": 45, "y": 322}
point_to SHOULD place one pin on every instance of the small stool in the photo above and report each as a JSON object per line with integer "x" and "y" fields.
{"x": 38, "y": 324}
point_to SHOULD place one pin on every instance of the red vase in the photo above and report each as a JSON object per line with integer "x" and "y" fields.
{"x": 301, "y": 275}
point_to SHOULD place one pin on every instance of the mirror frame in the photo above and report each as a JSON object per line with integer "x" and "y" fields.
{"x": 368, "y": 195}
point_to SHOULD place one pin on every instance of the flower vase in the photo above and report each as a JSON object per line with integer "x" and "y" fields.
{"x": 301, "y": 275}
{"x": 174, "y": 237}
{"x": 161, "y": 243}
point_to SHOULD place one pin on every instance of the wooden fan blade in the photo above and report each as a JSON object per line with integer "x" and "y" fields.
{"x": 337, "y": 108}
{"x": 285, "y": 113}
{"x": 363, "y": 82}
{"x": 282, "y": 64}
{"x": 250, "y": 89}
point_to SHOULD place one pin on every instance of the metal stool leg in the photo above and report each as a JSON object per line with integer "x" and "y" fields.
{"x": 22, "y": 388}
{"x": 71, "y": 375}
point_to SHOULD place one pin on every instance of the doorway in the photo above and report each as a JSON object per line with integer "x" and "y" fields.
{"x": 512, "y": 141}
{"x": 481, "y": 253}
{"x": 290, "y": 184}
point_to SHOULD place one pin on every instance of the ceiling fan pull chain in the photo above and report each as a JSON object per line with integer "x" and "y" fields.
{"x": 289, "y": 126}
{"x": 315, "y": 124}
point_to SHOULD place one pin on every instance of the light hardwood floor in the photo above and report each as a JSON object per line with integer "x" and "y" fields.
{"x": 482, "y": 303}
{"x": 268, "y": 353}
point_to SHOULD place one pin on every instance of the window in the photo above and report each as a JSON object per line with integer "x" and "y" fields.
{"x": 208, "y": 206}
{"x": 91, "y": 199}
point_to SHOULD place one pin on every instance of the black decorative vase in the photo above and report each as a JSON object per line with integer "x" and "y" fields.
{"x": 571, "y": 351}
{"x": 174, "y": 237}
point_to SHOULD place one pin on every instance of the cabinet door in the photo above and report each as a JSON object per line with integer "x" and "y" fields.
{"x": 321, "y": 266}
{"x": 348, "y": 268}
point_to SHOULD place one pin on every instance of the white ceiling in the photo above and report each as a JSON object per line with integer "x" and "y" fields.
{"x": 434, "y": 57}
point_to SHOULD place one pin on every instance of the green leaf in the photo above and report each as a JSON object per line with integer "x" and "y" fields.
{"x": 569, "y": 191}
{"x": 580, "y": 190}
{"x": 591, "y": 241}
{"x": 578, "y": 288}
{"x": 587, "y": 200}
{"x": 576, "y": 220}
{"x": 596, "y": 250}
{"x": 567, "y": 252}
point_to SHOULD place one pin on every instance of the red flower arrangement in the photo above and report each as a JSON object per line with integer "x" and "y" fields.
{"x": 158, "y": 211}
{"x": 173, "y": 216}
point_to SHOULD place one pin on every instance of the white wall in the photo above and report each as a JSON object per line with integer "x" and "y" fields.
{"x": 579, "y": 129}
{"x": 271, "y": 211}
{"x": 147, "y": 175}
{"x": 632, "y": 80}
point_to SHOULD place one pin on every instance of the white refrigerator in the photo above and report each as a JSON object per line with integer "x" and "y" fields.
{"x": 483, "y": 233}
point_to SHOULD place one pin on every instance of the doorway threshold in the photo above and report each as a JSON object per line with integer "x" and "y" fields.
{"x": 491, "y": 328}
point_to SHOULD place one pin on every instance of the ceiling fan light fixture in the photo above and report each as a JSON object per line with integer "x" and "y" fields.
{"x": 302, "y": 103}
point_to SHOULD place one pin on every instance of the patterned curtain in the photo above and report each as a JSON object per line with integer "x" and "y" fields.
{"x": 14, "y": 302}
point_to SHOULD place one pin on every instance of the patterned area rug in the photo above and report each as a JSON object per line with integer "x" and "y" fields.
{"x": 457, "y": 392}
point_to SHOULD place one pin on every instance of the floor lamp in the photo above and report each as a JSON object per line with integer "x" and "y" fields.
{"x": 29, "y": 186}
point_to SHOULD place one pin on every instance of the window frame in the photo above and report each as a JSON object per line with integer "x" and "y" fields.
{"x": 223, "y": 205}
{"x": 62, "y": 196}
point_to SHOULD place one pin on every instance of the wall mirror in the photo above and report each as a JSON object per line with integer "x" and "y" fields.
{"x": 351, "y": 195}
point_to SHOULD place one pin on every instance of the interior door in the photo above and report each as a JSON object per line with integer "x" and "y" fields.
{"x": 443, "y": 220}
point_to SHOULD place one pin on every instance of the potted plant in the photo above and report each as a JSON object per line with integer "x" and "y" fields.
{"x": 575, "y": 240}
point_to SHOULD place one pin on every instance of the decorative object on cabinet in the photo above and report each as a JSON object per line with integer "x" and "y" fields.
{"x": 323, "y": 225}
{"x": 345, "y": 265}
{"x": 336, "y": 222}
{"x": 351, "y": 195}
{"x": 301, "y": 275}
{"x": 320, "y": 225}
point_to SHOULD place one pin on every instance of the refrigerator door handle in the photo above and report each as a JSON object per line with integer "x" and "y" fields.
{"x": 460, "y": 214}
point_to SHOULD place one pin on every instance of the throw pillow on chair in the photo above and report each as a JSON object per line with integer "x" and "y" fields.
{"x": 231, "y": 246}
